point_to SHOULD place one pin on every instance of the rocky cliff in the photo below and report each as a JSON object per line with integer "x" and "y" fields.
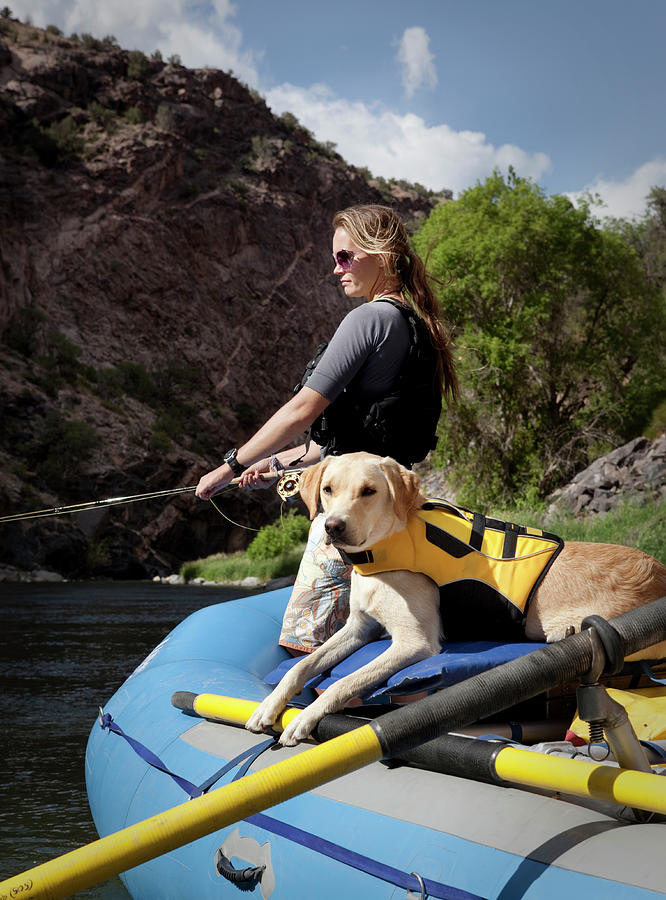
{"x": 165, "y": 274}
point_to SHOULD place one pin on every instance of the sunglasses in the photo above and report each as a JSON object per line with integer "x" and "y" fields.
{"x": 344, "y": 259}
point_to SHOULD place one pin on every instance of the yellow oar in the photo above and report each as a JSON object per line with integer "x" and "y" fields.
{"x": 387, "y": 736}
{"x": 165, "y": 831}
{"x": 576, "y": 777}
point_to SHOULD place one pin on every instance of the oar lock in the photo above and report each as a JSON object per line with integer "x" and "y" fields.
{"x": 606, "y": 717}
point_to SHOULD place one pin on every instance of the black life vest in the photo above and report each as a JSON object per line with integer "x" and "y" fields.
{"x": 403, "y": 422}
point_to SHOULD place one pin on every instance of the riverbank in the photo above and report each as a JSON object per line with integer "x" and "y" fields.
{"x": 251, "y": 581}
{"x": 11, "y": 575}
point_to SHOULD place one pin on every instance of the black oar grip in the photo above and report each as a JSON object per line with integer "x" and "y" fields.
{"x": 184, "y": 700}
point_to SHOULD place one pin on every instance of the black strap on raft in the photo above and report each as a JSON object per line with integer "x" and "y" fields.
{"x": 244, "y": 879}
{"x": 611, "y": 642}
{"x": 192, "y": 790}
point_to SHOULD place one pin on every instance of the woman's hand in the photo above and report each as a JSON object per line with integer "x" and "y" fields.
{"x": 251, "y": 478}
{"x": 213, "y": 482}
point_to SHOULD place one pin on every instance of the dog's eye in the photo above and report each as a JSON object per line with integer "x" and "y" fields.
{"x": 326, "y": 489}
{"x": 368, "y": 492}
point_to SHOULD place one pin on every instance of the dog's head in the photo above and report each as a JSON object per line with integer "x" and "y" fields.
{"x": 366, "y": 498}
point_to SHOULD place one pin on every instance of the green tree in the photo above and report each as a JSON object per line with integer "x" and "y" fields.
{"x": 648, "y": 237}
{"x": 555, "y": 323}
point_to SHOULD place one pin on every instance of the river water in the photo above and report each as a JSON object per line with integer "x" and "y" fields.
{"x": 64, "y": 650}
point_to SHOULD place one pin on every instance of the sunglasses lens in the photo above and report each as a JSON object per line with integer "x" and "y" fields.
{"x": 344, "y": 259}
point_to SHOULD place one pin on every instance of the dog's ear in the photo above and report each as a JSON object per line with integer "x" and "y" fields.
{"x": 404, "y": 487}
{"x": 309, "y": 483}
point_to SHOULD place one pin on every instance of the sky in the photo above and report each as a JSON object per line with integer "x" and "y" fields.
{"x": 441, "y": 92}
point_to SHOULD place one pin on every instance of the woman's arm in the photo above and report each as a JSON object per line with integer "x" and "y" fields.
{"x": 281, "y": 429}
{"x": 304, "y": 455}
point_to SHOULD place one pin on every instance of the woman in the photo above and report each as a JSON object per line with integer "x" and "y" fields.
{"x": 377, "y": 387}
{"x": 364, "y": 358}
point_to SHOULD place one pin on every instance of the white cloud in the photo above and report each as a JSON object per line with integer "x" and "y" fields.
{"x": 371, "y": 135}
{"x": 626, "y": 199}
{"x": 416, "y": 60}
{"x": 401, "y": 146}
{"x": 202, "y": 34}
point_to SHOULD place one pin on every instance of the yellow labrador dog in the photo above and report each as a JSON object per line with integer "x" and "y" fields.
{"x": 366, "y": 499}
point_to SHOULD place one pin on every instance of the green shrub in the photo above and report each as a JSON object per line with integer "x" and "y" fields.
{"x": 134, "y": 115}
{"x": 89, "y": 42}
{"x": 138, "y": 65}
{"x": 159, "y": 441}
{"x": 658, "y": 422}
{"x": 98, "y": 556}
{"x": 62, "y": 356}
{"x": 21, "y": 334}
{"x": 136, "y": 381}
{"x": 283, "y": 535}
{"x": 236, "y": 566}
{"x": 62, "y": 448}
{"x": 289, "y": 121}
{"x": 66, "y": 136}
{"x": 102, "y": 116}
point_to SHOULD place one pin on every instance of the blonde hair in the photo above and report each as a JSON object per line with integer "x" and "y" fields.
{"x": 379, "y": 230}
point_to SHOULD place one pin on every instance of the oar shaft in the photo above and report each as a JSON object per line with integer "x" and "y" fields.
{"x": 165, "y": 831}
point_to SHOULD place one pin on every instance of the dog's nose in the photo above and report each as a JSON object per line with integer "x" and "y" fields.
{"x": 335, "y": 527}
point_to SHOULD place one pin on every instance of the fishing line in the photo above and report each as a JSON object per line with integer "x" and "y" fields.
{"x": 231, "y": 521}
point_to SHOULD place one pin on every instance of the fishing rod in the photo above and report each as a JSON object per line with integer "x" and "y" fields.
{"x": 287, "y": 488}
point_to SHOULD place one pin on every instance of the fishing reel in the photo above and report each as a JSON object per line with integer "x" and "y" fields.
{"x": 287, "y": 485}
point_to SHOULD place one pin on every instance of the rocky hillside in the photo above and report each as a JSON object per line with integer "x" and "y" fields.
{"x": 165, "y": 273}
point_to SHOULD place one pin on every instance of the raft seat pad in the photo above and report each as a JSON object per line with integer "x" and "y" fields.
{"x": 457, "y": 661}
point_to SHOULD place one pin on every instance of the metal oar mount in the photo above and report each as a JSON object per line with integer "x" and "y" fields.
{"x": 390, "y": 735}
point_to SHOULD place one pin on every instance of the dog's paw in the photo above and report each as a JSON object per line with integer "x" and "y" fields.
{"x": 558, "y": 634}
{"x": 263, "y": 717}
{"x": 299, "y": 729}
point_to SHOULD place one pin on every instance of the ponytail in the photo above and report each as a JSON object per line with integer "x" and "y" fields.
{"x": 417, "y": 285}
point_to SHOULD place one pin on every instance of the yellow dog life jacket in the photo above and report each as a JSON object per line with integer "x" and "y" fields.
{"x": 487, "y": 570}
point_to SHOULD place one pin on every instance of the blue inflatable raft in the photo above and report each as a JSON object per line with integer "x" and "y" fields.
{"x": 384, "y": 831}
